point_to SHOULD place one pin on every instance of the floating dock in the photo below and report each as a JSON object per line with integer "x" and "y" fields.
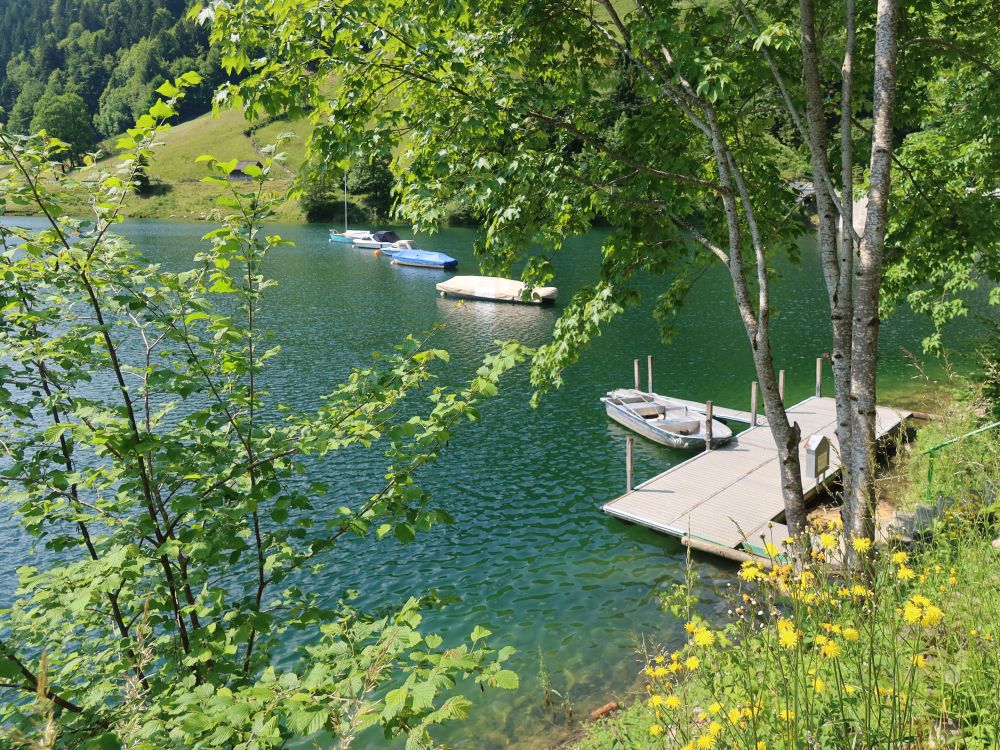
{"x": 727, "y": 498}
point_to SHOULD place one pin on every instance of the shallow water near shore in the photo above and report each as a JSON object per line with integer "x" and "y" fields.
{"x": 530, "y": 555}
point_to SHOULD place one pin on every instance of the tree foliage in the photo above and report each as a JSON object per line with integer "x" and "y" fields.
{"x": 65, "y": 117}
{"x": 171, "y": 498}
{"x": 110, "y": 53}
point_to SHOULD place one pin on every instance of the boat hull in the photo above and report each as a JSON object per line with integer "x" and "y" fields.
{"x": 441, "y": 266}
{"x": 341, "y": 239}
{"x": 647, "y": 429}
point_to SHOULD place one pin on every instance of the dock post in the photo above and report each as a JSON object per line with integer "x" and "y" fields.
{"x": 781, "y": 386}
{"x": 649, "y": 371}
{"x": 635, "y": 369}
{"x": 753, "y": 404}
{"x": 629, "y": 463}
{"x": 708, "y": 425}
{"x": 819, "y": 377}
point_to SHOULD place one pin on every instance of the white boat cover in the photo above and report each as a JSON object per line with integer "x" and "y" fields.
{"x": 494, "y": 288}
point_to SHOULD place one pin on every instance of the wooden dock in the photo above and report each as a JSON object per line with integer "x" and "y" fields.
{"x": 728, "y": 497}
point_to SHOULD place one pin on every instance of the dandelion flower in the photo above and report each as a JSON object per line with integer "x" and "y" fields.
{"x": 818, "y": 685}
{"x": 715, "y": 708}
{"x": 715, "y": 729}
{"x": 690, "y": 627}
{"x": 905, "y": 574}
{"x": 734, "y": 715}
{"x": 900, "y": 557}
{"x": 952, "y": 581}
{"x": 911, "y": 612}
{"x": 830, "y": 650}
{"x": 932, "y": 616}
{"x": 850, "y": 634}
{"x": 656, "y": 700}
{"x": 705, "y": 742}
{"x": 849, "y": 689}
{"x": 704, "y": 637}
{"x": 672, "y": 702}
{"x": 659, "y": 659}
{"x": 786, "y": 715}
{"x": 920, "y": 661}
{"x": 655, "y": 731}
{"x": 861, "y": 544}
{"x": 660, "y": 672}
{"x": 692, "y": 663}
{"x": 772, "y": 549}
{"x": 827, "y": 541}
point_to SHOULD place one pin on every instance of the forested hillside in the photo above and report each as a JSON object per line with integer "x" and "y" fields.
{"x": 84, "y": 69}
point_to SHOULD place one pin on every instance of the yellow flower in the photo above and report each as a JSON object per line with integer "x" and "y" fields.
{"x": 830, "y": 650}
{"x": 787, "y": 636}
{"x": 750, "y": 572}
{"x": 734, "y": 715}
{"x": 692, "y": 663}
{"x": 660, "y": 672}
{"x": 674, "y": 667}
{"x": 691, "y": 626}
{"x": 655, "y": 731}
{"x": 827, "y": 541}
{"x": 772, "y": 549}
{"x": 861, "y": 544}
{"x": 849, "y": 689}
{"x": 688, "y": 746}
{"x": 920, "y": 661}
{"x": 900, "y": 557}
{"x": 705, "y": 742}
{"x": 818, "y": 685}
{"x": 911, "y": 612}
{"x": 715, "y": 708}
{"x": 703, "y": 637}
{"x": 786, "y": 715}
{"x": 932, "y": 616}
{"x": 656, "y": 700}
{"x": 672, "y": 702}
{"x": 761, "y": 745}
{"x": 715, "y": 729}
{"x": 905, "y": 574}
{"x": 952, "y": 581}
{"x": 850, "y": 634}
{"x": 659, "y": 659}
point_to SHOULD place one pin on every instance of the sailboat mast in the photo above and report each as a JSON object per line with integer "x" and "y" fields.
{"x": 345, "y": 201}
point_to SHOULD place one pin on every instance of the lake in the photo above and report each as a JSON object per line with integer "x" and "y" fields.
{"x": 530, "y": 555}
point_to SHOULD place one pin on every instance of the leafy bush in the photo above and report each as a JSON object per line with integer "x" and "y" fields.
{"x": 168, "y": 491}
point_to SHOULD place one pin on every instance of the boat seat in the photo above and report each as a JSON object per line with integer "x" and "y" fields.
{"x": 684, "y": 427}
{"x": 652, "y": 411}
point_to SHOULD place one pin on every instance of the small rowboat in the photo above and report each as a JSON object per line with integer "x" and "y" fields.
{"x": 495, "y": 290}
{"x": 350, "y": 236}
{"x": 661, "y": 420}
{"x": 423, "y": 259}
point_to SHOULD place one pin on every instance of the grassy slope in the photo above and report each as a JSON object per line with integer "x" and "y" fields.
{"x": 178, "y": 190}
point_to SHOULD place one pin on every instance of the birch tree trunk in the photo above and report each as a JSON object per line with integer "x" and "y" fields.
{"x": 868, "y": 276}
{"x": 834, "y": 227}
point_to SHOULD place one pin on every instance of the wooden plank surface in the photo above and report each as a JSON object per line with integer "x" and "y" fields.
{"x": 733, "y": 494}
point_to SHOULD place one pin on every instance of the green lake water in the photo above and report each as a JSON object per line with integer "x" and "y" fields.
{"x": 530, "y": 555}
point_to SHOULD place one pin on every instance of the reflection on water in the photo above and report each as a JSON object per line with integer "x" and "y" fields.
{"x": 530, "y": 555}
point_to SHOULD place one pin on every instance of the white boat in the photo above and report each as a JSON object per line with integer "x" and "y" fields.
{"x": 661, "y": 420}
{"x": 350, "y": 236}
{"x": 378, "y": 240}
{"x": 495, "y": 289}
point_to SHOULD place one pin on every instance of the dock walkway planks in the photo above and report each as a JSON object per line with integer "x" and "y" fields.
{"x": 729, "y": 496}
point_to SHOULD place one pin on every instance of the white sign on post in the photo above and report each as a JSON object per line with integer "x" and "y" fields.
{"x": 817, "y": 455}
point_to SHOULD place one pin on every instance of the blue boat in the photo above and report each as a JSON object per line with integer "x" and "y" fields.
{"x": 423, "y": 259}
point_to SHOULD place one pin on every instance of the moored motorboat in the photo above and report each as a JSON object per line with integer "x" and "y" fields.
{"x": 663, "y": 421}
{"x": 423, "y": 259}
{"x": 496, "y": 289}
{"x": 377, "y": 240}
{"x": 350, "y": 236}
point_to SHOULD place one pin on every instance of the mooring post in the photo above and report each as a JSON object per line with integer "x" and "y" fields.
{"x": 708, "y": 425}
{"x": 629, "y": 460}
{"x": 819, "y": 377}
{"x": 753, "y": 404}
{"x": 635, "y": 369}
{"x": 649, "y": 371}
{"x": 781, "y": 386}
